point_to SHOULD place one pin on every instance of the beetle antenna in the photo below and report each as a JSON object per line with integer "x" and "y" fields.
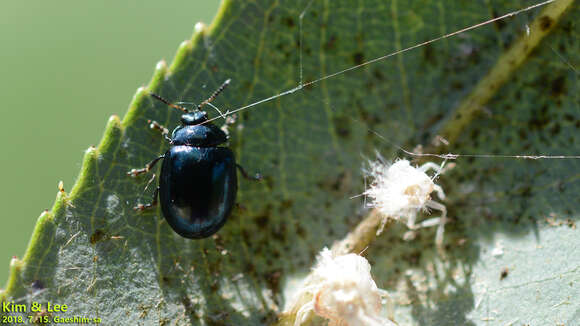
{"x": 168, "y": 103}
{"x": 215, "y": 94}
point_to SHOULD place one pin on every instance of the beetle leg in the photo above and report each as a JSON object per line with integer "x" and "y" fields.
{"x": 256, "y": 177}
{"x": 141, "y": 207}
{"x": 157, "y": 126}
{"x": 147, "y": 168}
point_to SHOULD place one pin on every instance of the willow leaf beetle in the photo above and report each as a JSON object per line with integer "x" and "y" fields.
{"x": 198, "y": 181}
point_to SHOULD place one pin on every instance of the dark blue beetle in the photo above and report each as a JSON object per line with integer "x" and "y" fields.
{"x": 198, "y": 181}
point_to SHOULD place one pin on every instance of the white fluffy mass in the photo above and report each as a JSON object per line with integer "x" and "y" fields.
{"x": 342, "y": 290}
{"x": 400, "y": 191}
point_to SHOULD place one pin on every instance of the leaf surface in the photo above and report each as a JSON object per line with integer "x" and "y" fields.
{"x": 101, "y": 258}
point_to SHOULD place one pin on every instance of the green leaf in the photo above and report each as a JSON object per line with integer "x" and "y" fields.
{"x": 93, "y": 253}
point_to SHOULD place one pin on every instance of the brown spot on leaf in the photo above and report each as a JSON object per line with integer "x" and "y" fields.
{"x": 97, "y": 236}
{"x": 263, "y": 219}
{"x": 559, "y": 86}
{"x": 273, "y": 279}
{"x": 545, "y": 22}
{"x": 342, "y": 126}
{"x": 288, "y": 21}
{"x": 358, "y": 58}
{"x": 331, "y": 43}
{"x": 504, "y": 273}
{"x": 429, "y": 54}
{"x": 286, "y": 204}
{"x": 378, "y": 74}
{"x": 500, "y": 24}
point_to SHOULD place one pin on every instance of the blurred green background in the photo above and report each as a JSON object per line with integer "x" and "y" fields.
{"x": 66, "y": 66}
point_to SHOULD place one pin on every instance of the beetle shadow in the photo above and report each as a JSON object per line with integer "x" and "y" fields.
{"x": 204, "y": 281}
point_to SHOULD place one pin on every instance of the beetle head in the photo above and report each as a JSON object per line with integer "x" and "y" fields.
{"x": 194, "y": 118}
